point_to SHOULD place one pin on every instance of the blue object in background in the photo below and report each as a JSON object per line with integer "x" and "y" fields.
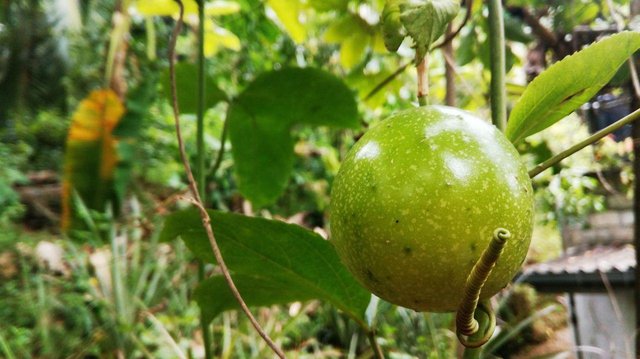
{"x": 605, "y": 110}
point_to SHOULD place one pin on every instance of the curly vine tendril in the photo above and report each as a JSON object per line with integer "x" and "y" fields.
{"x": 467, "y": 318}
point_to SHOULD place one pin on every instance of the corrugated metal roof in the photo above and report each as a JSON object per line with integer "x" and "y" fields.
{"x": 599, "y": 259}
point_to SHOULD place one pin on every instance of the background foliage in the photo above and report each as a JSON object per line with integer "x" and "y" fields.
{"x": 291, "y": 85}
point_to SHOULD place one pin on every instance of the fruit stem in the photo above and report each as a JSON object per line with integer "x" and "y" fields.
{"x": 498, "y": 65}
{"x": 423, "y": 80}
{"x": 466, "y": 323}
{"x": 586, "y": 142}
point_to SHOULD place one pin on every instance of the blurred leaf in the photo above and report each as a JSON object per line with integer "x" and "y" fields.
{"x": 353, "y": 34}
{"x": 165, "y": 7}
{"x": 426, "y": 20}
{"x": 484, "y": 54}
{"x": 139, "y": 100}
{"x": 575, "y": 13}
{"x": 91, "y": 157}
{"x": 221, "y": 7}
{"x": 288, "y": 12}
{"x": 170, "y": 7}
{"x": 216, "y": 38}
{"x": 186, "y": 84}
{"x": 514, "y": 29}
{"x": 261, "y": 118}
{"x": 352, "y": 50}
{"x": 364, "y": 84}
{"x": 272, "y": 262}
{"x": 466, "y": 51}
{"x": 329, "y": 5}
{"x": 392, "y": 29}
{"x": 568, "y": 84}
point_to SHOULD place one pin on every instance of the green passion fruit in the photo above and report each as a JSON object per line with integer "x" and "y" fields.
{"x": 416, "y": 202}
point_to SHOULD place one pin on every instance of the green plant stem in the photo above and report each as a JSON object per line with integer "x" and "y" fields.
{"x": 423, "y": 80}
{"x": 586, "y": 142}
{"x": 200, "y": 167}
{"x": 498, "y": 65}
{"x": 377, "y": 350}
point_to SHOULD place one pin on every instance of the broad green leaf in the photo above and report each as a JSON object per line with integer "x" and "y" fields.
{"x": 272, "y": 262}
{"x": 288, "y": 12}
{"x": 568, "y": 84}
{"x": 214, "y": 296}
{"x": 392, "y": 29}
{"x": 186, "y": 85}
{"x": 90, "y": 155}
{"x": 426, "y": 20}
{"x": 261, "y": 118}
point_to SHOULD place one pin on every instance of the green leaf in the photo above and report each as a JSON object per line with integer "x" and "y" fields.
{"x": 221, "y": 7}
{"x": 217, "y": 38}
{"x": 214, "y": 296}
{"x": 392, "y": 29}
{"x": 261, "y": 118}
{"x": 288, "y": 12}
{"x": 329, "y": 5}
{"x": 426, "y": 20}
{"x": 186, "y": 84}
{"x": 466, "y": 51}
{"x": 568, "y": 84}
{"x": 272, "y": 262}
{"x": 353, "y": 34}
{"x": 514, "y": 29}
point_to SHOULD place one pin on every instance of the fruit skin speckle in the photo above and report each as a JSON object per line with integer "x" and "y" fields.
{"x": 444, "y": 180}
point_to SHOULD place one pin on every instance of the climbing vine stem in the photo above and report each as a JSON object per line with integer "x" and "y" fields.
{"x": 197, "y": 200}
